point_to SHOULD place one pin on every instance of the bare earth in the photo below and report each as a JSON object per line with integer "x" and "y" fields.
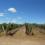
{"x": 21, "y": 39}
{"x": 16, "y": 41}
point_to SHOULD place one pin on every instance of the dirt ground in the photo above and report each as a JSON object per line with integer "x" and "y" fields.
{"x": 20, "y": 41}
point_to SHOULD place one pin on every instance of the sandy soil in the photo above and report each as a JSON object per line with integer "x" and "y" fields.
{"x": 16, "y": 41}
{"x": 21, "y": 39}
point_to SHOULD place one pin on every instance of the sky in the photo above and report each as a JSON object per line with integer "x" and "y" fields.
{"x": 21, "y": 11}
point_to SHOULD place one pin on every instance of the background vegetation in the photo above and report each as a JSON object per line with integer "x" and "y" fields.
{"x": 10, "y": 26}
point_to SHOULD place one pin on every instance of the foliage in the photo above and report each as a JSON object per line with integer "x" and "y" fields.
{"x": 30, "y": 26}
{"x": 11, "y": 26}
{"x": 28, "y": 29}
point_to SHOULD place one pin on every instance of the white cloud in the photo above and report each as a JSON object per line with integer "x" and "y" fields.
{"x": 13, "y": 21}
{"x": 19, "y": 17}
{"x": 1, "y": 14}
{"x": 12, "y": 10}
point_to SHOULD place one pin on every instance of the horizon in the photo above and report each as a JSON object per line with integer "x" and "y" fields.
{"x": 21, "y": 11}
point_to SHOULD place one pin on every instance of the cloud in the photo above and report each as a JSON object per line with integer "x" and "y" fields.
{"x": 14, "y": 21}
{"x": 1, "y": 14}
{"x": 12, "y": 10}
{"x": 10, "y": 20}
{"x": 19, "y": 17}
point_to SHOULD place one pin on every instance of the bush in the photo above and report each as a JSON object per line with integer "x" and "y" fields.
{"x": 28, "y": 29}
